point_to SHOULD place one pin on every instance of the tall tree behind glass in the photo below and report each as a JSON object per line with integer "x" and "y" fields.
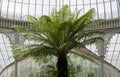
{"x": 57, "y": 35}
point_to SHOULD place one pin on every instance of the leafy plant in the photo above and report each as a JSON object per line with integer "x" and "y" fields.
{"x": 57, "y": 35}
{"x": 76, "y": 69}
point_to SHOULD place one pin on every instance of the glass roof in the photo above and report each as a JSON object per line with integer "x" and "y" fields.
{"x": 5, "y": 52}
{"x": 18, "y": 9}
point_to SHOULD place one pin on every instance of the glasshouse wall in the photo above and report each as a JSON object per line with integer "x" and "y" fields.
{"x": 78, "y": 67}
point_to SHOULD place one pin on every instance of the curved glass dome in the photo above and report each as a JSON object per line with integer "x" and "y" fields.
{"x": 105, "y": 9}
{"x": 18, "y": 9}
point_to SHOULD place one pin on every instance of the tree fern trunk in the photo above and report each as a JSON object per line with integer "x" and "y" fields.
{"x": 62, "y": 67}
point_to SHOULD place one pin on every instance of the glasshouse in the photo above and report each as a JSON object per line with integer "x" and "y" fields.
{"x": 59, "y": 38}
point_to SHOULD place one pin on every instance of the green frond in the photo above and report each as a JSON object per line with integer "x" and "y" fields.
{"x": 58, "y": 33}
{"x": 81, "y": 22}
{"x": 92, "y": 40}
{"x": 76, "y": 15}
{"x": 63, "y": 31}
{"x": 87, "y": 34}
{"x": 35, "y": 51}
{"x": 64, "y": 14}
{"x": 34, "y": 24}
{"x": 43, "y": 51}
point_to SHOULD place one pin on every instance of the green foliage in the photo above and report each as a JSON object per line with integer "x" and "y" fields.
{"x": 76, "y": 69}
{"x": 57, "y": 33}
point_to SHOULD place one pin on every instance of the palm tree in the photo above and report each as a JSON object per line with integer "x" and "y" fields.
{"x": 57, "y": 35}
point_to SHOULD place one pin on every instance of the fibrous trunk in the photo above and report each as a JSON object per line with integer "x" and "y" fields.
{"x": 62, "y": 67}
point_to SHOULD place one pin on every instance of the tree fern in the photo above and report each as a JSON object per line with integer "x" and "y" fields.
{"x": 57, "y": 34}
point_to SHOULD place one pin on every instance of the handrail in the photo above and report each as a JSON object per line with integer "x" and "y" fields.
{"x": 104, "y": 24}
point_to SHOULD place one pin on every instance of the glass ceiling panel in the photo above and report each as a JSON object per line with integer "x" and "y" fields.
{"x": 105, "y": 9}
{"x": 5, "y": 52}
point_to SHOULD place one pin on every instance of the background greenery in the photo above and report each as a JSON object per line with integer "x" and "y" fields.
{"x": 77, "y": 67}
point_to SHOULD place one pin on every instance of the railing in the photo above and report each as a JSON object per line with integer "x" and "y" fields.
{"x": 7, "y": 23}
{"x": 101, "y": 25}
{"x": 105, "y": 24}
